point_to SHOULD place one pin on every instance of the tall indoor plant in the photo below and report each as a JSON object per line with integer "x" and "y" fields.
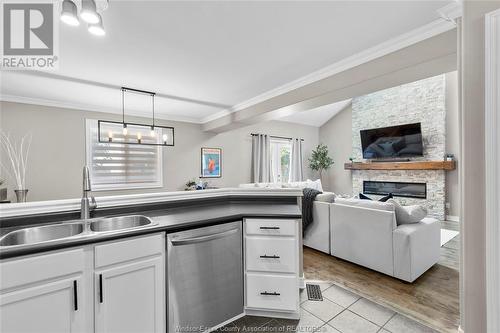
{"x": 16, "y": 161}
{"x": 319, "y": 160}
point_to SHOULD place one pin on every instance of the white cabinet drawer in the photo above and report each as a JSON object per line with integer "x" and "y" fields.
{"x": 32, "y": 269}
{"x": 273, "y": 292}
{"x": 271, "y": 255}
{"x": 130, "y": 249}
{"x": 270, "y": 227}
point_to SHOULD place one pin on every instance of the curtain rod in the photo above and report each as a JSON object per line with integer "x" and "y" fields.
{"x": 276, "y": 137}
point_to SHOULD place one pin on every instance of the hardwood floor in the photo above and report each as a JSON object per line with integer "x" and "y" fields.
{"x": 432, "y": 299}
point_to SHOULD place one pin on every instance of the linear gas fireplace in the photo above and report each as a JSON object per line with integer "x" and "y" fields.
{"x": 398, "y": 189}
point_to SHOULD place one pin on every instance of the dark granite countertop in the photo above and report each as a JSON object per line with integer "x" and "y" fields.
{"x": 170, "y": 219}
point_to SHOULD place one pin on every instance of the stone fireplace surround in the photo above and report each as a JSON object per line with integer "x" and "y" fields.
{"x": 421, "y": 101}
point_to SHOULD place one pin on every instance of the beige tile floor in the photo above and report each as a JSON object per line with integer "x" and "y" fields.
{"x": 341, "y": 311}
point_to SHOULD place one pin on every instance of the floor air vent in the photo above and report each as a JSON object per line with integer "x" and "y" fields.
{"x": 314, "y": 292}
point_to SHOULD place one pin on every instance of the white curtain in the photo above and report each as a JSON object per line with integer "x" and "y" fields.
{"x": 296, "y": 173}
{"x": 261, "y": 158}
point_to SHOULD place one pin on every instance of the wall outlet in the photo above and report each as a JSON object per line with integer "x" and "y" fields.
{"x": 447, "y": 205}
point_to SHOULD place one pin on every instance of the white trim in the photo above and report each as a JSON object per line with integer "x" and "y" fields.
{"x": 88, "y": 107}
{"x": 53, "y": 206}
{"x": 452, "y": 218}
{"x": 492, "y": 159}
{"x": 412, "y": 37}
{"x": 451, "y": 11}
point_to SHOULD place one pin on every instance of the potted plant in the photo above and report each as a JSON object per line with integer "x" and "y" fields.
{"x": 319, "y": 160}
{"x": 17, "y": 160}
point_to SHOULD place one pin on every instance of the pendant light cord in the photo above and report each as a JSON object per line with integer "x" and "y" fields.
{"x": 123, "y": 106}
{"x": 153, "y": 97}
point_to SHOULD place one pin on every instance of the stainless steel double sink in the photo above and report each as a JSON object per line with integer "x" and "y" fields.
{"x": 34, "y": 235}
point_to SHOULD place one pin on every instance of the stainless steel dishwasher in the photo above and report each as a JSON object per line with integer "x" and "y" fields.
{"x": 205, "y": 277}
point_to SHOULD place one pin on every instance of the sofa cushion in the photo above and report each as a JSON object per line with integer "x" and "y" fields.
{"x": 366, "y": 204}
{"x": 314, "y": 184}
{"x": 326, "y": 197}
{"x": 408, "y": 214}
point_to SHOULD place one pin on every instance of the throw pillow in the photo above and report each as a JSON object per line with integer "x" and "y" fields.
{"x": 408, "y": 214}
{"x": 383, "y": 199}
{"x": 315, "y": 184}
{"x": 326, "y": 197}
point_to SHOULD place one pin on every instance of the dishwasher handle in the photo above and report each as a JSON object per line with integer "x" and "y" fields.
{"x": 205, "y": 238}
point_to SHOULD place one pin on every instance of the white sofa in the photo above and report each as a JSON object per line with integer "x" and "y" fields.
{"x": 367, "y": 233}
{"x": 371, "y": 238}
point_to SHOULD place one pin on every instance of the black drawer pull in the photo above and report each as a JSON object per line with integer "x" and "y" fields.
{"x": 75, "y": 295}
{"x": 100, "y": 289}
{"x": 270, "y": 228}
{"x": 265, "y": 293}
{"x": 265, "y": 256}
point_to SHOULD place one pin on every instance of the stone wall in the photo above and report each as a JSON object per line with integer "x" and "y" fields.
{"x": 421, "y": 101}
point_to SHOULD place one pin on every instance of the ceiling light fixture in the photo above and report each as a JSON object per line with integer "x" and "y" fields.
{"x": 68, "y": 13}
{"x": 133, "y": 133}
{"x": 97, "y": 28}
{"x": 89, "y": 12}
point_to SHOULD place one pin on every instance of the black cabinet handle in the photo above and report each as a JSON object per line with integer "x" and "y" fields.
{"x": 100, "y": 289}
{"x": 75, "y": 294}
{"x": 270, "y": 228}
{"x": 265, "y": 293}
{"x": 265, "y": 256}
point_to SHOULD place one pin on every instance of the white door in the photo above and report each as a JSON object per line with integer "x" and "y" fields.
{"x": 55, "y": 307}
{"x": 131, "y": 298}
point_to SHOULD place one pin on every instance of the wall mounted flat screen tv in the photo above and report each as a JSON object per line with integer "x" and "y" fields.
{"x": 392, "y": 142}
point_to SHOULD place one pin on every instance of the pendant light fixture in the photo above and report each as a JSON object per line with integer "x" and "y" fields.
{"x": 134, "y": 133}
{"x": 69, "y": 13}
{"x": 89, "y": 12}
{"x": 97, "y": 28}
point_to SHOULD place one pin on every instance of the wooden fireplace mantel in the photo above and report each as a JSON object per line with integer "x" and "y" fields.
{"x": 416, "y": 165}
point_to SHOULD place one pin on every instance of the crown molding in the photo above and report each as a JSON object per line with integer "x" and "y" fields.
{"x": 407, "y": 39}
{"x": 89, "y": 107}
{"x": 451, "y": 11}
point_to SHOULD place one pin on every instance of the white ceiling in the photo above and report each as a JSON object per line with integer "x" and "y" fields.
{"x": 214, "y": 54}
{"x": 318, "y": 116}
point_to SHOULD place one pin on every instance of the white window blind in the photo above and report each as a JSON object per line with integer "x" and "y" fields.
{"x": 115, "y": 166}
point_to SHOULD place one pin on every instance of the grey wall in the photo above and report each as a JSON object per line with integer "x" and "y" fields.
{"x": 337, "y": 135}
{"x": 58, "y": 149}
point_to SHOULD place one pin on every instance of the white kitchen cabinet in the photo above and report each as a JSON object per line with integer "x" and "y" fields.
{"x": 130, "y": 287}
{"x": 118, "y": 286}
{"x": 48, "y": 294}
{"x": 272, "y": 267}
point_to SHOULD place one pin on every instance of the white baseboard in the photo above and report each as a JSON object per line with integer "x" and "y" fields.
{"x": 452, "y": 218}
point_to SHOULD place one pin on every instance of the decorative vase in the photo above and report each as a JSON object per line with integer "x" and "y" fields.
{"x": 21, "y": 195}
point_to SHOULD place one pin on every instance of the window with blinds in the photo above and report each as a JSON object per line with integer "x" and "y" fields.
{"x": 115, "y": 166}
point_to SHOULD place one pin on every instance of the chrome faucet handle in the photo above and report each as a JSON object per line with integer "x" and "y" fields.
{"x": 93, "y": 203}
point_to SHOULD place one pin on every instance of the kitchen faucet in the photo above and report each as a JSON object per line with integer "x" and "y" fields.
{"x": 87, "y": 205}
